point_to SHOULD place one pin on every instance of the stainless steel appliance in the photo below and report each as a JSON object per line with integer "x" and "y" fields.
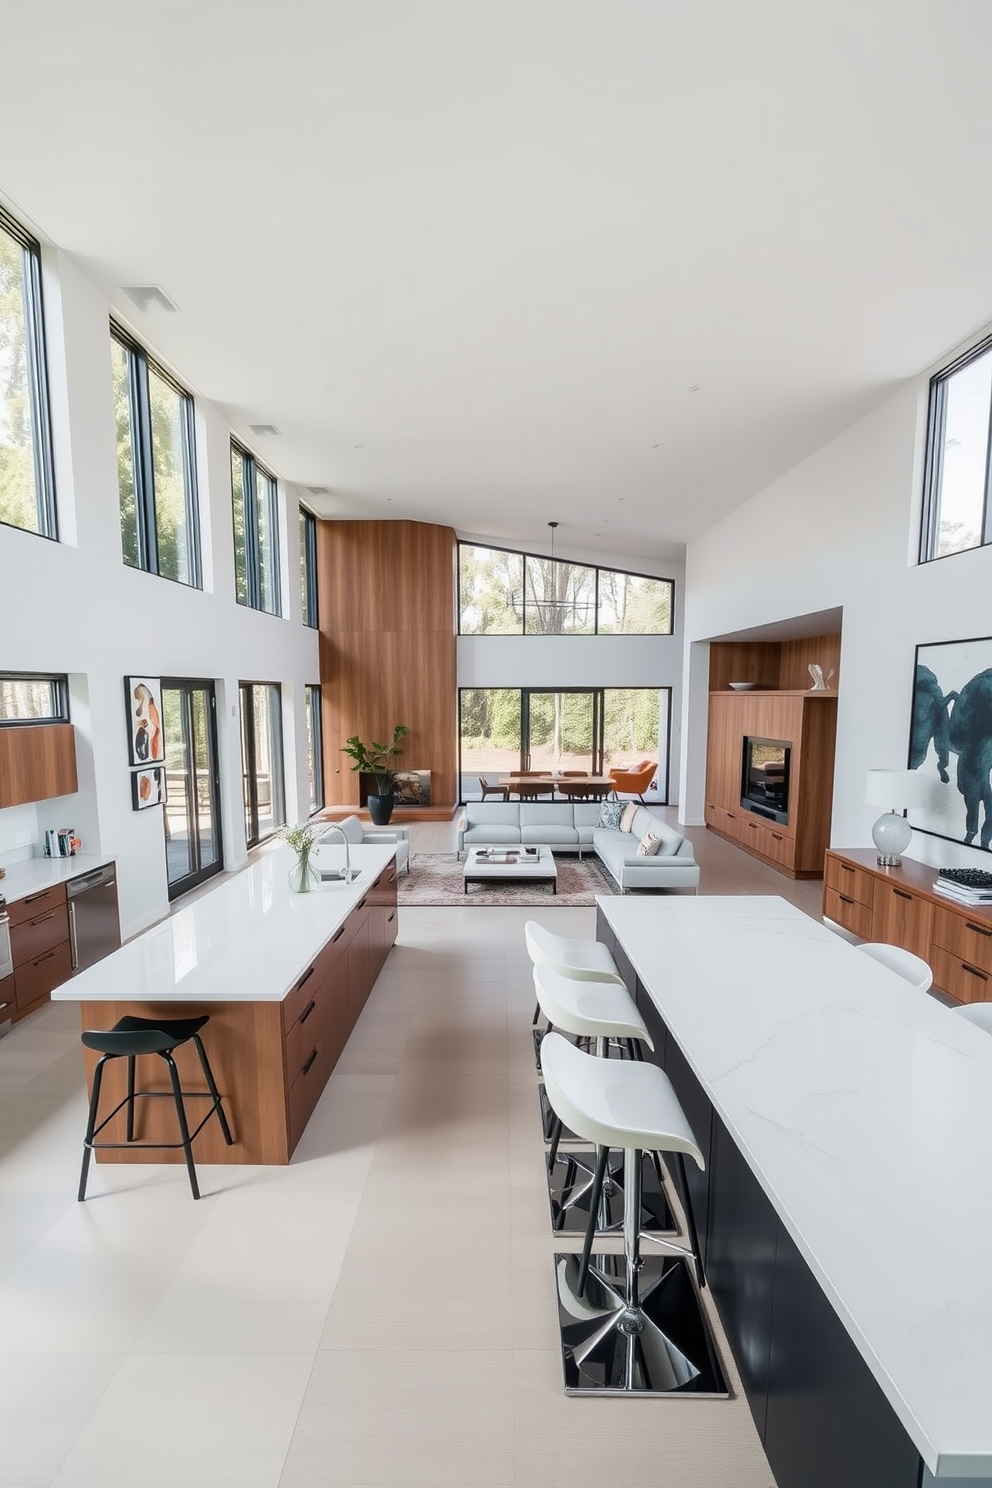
{"x": 6, "y": 959}
{"x": 94, "y": 922}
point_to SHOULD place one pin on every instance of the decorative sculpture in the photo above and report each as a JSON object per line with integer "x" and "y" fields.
{"x": 820, "y": 684}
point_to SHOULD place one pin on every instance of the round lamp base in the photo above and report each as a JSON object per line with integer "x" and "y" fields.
{"x": 891, "y": 835}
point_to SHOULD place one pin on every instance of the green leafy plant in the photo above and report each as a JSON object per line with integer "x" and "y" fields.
{"x": 377, "y": 759}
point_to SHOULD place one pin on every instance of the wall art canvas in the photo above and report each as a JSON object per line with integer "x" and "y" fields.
{"x": 951, "y": 739}
{"x": 143, "y": 696}
{"x": 148, "y": 788}
{"x": 412, "y": 787}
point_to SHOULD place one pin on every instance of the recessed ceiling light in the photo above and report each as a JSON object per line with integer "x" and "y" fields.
{"x": 263, "y": 428}
{"x": 319, "y": 490}
{"x": 657, "y": 446}
{"x": 149, "y": 297}
{"x": 694, "y": 387}
{"x": 358, "y": 446}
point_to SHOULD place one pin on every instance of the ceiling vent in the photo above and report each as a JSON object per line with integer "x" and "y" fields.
{"x": 149, "y": 297}
{"x": 263, "y": 428}
{"x": 319, "y": 490}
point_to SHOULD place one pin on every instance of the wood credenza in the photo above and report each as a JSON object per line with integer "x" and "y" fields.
{"x": 899, "y": 906}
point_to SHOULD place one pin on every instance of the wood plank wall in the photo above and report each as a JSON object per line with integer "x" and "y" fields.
{"x": 387, "y": 647}
{"x": 773, "y": 664}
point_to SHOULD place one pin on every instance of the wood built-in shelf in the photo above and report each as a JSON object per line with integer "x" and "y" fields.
{"x": 781, "y": 706}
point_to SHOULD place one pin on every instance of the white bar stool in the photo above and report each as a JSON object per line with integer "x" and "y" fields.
{"x": 621, "y": 1333}
{"x": 912, "y": 969}
{"x": 979, "y": 1013}
{"x": 583, "y": 960}
{"x": 600, "y": 1011}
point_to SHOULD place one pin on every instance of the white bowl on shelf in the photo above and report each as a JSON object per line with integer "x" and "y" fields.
{"x": 742, "y": 686}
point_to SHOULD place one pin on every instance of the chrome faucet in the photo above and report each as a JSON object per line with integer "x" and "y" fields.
{"x": 349, "y": 872}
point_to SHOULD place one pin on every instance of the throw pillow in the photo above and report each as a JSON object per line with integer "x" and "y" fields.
{"x": 627, "y": 817}
{"x": 648, "y": 845}
{"x": 609, "y": 815}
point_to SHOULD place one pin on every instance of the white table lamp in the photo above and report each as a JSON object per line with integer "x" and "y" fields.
{"x": 898, "y": 790}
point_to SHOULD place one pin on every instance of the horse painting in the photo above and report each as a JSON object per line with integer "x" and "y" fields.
{"x": 952, "y": 711}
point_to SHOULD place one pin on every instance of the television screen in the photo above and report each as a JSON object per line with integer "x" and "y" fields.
{"x": 765, "y": 778}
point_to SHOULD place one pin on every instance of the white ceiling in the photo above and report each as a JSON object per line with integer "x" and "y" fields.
{"x": 471, "y": 256}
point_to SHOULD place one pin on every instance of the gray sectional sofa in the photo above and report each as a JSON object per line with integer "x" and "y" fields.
{"x": 574, "y": 827}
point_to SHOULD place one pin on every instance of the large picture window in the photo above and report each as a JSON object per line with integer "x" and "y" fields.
{"x": 256, "y": 533}
{"x": 261, "y": 760}
{"x": 502, "y": 592}
{"x": 156, "y": 465}
{"x": 27, "y": 483}
{"x": 956, "y": 513}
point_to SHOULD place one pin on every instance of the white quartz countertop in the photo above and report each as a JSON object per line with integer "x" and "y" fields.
{"x": 248, "y": 940}
{"x": 864, "y": 1108}
{"x": 32, "y": 874}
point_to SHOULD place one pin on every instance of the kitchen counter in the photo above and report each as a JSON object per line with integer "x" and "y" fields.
{"x": 282, "y": 977}
{"x": 852, "y": 1135}
{"x": 32, "y": 874}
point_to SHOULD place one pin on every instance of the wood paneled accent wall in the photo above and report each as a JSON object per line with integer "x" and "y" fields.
{"x": 387, "y": 647}
{"x": 773, "y": 664}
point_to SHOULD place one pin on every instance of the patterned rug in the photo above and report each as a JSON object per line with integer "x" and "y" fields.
{"x": 436, "y": 879}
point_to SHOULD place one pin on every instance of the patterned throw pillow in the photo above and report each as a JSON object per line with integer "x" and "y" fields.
{"x": 609, "y": 815}
{"x": 648, "y": 845}
{"x": 627, "y": 817}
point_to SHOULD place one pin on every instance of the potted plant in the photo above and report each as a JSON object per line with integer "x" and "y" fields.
{"x": 377, "y": 760}
{"x": 301, "y": 839}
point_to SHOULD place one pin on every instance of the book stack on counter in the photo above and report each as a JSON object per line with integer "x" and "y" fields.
{"x": 965, "y": 885}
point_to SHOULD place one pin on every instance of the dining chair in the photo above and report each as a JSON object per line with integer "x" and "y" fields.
{"x": 488, "y": 789}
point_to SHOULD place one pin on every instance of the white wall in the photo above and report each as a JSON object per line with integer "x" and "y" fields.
{"x": 588, "y": 661}
{"x": 74, "y": 607}
{"x": 841, "y": 529}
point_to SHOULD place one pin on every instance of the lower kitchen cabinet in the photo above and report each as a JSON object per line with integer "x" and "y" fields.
{"x": 39, "y": 944}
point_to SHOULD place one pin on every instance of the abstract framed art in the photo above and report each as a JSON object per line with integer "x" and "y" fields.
{"x": 951, "y": 740}
{"x": 148, "y": 787}
{"x": 143, "y": 699}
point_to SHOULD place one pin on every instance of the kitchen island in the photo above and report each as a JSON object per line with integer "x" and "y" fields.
{"x": 845, "y": 1214}
{"x": 283, "y": 977}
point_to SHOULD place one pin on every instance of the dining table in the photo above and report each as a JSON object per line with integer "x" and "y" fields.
{"x": 583, "y": 787}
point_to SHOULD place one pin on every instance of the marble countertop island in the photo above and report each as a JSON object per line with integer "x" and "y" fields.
{"x": 864, "y": 1109}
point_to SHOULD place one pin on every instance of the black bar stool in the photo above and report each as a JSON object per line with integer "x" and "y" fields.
{"x": 128, "y": 1038}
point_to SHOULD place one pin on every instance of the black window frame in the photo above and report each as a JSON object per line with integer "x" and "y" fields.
{"x": 139, "y": 364}
{"x": 308, "y": 568}
{"x": 201, "y": 872}
{"x": 249, "y": 763}
{"x": 250, "y": 468}
{"x": 595, "y": 568}
{"x": 39, "y": 397}
{"x": 934, "y": 460}
{"x": 314, "y": 719}
{"x": 60, "y": 697}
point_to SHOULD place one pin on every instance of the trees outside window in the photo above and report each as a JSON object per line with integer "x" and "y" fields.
{"x": 507, "y": 593}
{"x": 27, "y": 482}
{"x": 256, "y": 533}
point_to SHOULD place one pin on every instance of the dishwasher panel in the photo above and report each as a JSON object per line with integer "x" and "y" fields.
{"x": 94, "y": 921}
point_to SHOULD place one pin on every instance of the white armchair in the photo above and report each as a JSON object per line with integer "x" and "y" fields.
{"x": 357, "y": 832}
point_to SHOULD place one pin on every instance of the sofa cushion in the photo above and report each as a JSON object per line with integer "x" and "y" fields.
{"x": 609, "y": 815}
{"x": 563, "y": 834}
{"x": 489, "y": 811}
{"x": 648, "y": 845}
{"x": 489, "y": 832}
{"x": 546, "y": 814}
{"x": 627, "y": 816}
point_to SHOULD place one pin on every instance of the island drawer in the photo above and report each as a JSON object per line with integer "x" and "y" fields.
{"x": 296, "y": 1000}
{"x": 850, "y": 880}
{"x": 305, "y": 1032}
{"x": 968, "y": 939}
{"x": 305, "y": 1090}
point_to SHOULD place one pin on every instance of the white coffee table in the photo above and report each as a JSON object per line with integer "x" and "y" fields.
{"x": 513, "y": 863}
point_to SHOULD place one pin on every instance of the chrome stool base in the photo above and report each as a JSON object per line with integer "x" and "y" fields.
{"x": 570, "y": 1184}
{"x": 661, "y": 1347}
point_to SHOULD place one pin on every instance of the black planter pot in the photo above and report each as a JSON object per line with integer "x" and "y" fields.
{"x": 380, "y": 809}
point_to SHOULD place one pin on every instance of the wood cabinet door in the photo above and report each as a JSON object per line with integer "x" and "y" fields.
{"x": 37, "y": 762}
{"x": 902, "y": 918}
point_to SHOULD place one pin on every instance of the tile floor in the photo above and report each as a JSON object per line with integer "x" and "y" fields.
{"x": 379, "y": 1314}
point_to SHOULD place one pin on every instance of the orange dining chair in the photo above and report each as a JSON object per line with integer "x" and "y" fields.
{"x": 634, "y": 782}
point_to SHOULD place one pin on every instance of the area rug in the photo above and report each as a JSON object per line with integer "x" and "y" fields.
{"x": 436, "y": 879}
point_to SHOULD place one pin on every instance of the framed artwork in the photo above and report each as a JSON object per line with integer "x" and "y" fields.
{"x": 950, "y": 740}
{"x": 412, "y": 787}
{"x": 148, "y": 787}
{"x": 143, "y": 697}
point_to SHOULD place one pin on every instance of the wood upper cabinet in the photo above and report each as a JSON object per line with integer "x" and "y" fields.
{"x": 37, "y": 762}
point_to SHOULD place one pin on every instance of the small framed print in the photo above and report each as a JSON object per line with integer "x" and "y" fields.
{"x": 148, "y": 787}
{"x": 146, "y": 743}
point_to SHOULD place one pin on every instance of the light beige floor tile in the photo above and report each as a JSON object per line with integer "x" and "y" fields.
{"x": 200, "y": 1421}
{"x": 412, "y": 1418}
{"x": 45, "y": 1402}
{"x": 444, "y": 1296}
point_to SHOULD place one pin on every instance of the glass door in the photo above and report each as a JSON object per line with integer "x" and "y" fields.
{"x": 193, "y": 847}
{"x": 261, "y": 760}
{"x": 562, "y": 730}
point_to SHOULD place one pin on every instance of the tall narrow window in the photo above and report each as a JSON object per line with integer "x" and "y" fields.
{"x": 156, "y": 465}
{"x": 308, "y": 567}
{"x": 315, "y": 763}
{"x": 27, "y": 483}
{"x": 256, "y": 533}
{"x": 261, "y": 759}
{"x": 956, "y": 513}
{"x": 193, "y": 850}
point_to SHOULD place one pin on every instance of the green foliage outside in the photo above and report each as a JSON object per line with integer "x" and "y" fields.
{"x": 561, "y": 723}
{"x": 504, "y": 593}
{"x": 168, "y": 442}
